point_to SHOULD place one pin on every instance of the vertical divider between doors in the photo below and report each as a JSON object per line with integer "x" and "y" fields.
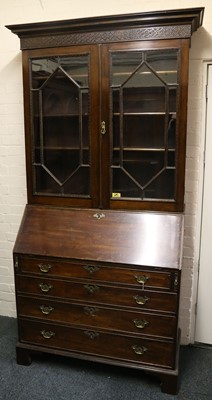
{"x": 105, "y": 116}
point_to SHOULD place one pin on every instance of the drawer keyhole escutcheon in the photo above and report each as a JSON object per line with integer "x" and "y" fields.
{"x": 91, "y": 268}
{"x": 45, "y": 287}
{"x": 140, "y": 323}
{"x": 103, "y": 127}
{"x": 140, "y": 350}
{"x": 91, "y": 311}
{"x": 91, "y": 288}
{"x": 46, "y": 309}
{"x": 91, "y": 334}
{"x": 141, "y": 300}
{"x": 44, "y": 267}
{"x": 99, "y": 215}
{"x": 47, "y": 334}
{"x": 141, "y": 279}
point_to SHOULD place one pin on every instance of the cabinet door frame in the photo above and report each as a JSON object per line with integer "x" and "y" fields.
{"x": 178, "y": 203}
{"x": 75, "y": 201}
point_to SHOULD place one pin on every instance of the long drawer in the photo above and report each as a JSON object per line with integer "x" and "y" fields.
{"x": 98, "y": 343}
{"x": 133, "y": 276}
{"x": 98, "y": 317}
{"x": 98, "y": 294}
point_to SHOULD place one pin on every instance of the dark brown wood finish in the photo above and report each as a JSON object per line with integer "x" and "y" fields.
{"x": 97, "y": 271}
{"x": 98, "y": 37}
{"x": 106, "y": 288}
{"x": 88, "y": 315}
{"x": 132, "y": 238}
{"x": 141, "y": 26}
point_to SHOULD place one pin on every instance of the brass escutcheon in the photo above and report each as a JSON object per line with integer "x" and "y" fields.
{"x": 140, "y": 350}
{"x": 46, "y": 309}
{"x": 99, "y": 215}
{"x": 141, "y": 279}
{"x": 45, "y": 287}
{"x": 47, "y": 334}
{"x": 91, "y": 334}
{"x": 103, "y": 128}
{"x": 44, "y": 267}
{"x": 91, "y": 288}
{"x": 141, "y": 300}
{"x": 140, "y": 323}
{"x": 91, "y": 268}
{"x": 90, "y": 311}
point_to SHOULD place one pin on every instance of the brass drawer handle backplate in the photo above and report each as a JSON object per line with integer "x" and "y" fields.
{"x": 46, "y": 309}
{"x": 141, "y": 300}
{"x": 45, "y": 287}
{"x": 140, "y": 323}
{"x": 47, "y": 334}
{"x": 140, "y": 350}
{"x": 141, "y": 279}
{"x": 44, "y": 267}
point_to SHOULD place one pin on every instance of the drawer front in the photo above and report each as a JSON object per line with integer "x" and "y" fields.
{"x": 97, "y": 343}
{"x": 100, "y": 294}
{"x": 140, "y": 276}
{"x": 98, "y": 317}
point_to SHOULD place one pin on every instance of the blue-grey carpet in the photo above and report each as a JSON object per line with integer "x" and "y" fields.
{"x": 57, "y": 378}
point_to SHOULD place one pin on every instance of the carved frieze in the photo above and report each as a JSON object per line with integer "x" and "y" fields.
{"x": 124, "y": 35}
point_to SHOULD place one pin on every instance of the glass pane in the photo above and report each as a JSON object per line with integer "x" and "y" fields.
{"x": 144, "y": 94}
{"x": 165, "y": 64}
{"x": 162, "y": 187}
{"x": 143, "y": 166}
{"x": 123, "y": 65}
{"x": 60, "y": 98}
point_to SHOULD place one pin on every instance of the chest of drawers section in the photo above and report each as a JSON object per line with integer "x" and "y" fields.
{"x": 119, "y": 314}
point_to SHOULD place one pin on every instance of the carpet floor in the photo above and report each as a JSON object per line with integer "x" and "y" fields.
{"x": 58, "y": 378}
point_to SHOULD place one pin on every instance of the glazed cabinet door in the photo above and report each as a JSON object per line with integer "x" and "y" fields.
{"x": 146, "y": 87}
{"x": 61, "y": 90}
{"x": 106, "y": 125}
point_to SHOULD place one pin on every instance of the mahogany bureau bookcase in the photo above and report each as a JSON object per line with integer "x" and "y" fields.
{"x": 97, "y": 258}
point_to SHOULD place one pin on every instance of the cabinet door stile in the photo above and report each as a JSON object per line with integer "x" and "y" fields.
{"x": 63, "y": 105}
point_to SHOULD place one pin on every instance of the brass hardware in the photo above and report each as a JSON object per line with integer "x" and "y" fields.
{"x": 47, "y": 334}
{"x": 140, "y": 323}
{"x": 103, "y": 128}
{"x": 91, "y": 268}
{"x": 46, "y": 309}
{"x": 141, "y": 279}
{"x": 140, "y": 350}
{"x": 90, "y": 311}
{"x": 91, "y": 288}
{"x": 141, "y": 300}
{"x": 45, "y": 287}
{"x": 99, "y": 215}
{"x": 91, "y": 334}
{"x": 44, "y": 267}
{"x": 16, "y": 262}
{"x": 176, "y": 280}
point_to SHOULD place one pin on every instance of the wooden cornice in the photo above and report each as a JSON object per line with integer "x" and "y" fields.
{"x": 139, "y": 26}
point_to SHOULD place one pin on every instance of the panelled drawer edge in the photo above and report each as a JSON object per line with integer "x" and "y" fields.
{"x": 126, "y": 275}
{"x": 99, "y": 294}
{"x": 136, "y": 322}
{"x": 95, "y": 342}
